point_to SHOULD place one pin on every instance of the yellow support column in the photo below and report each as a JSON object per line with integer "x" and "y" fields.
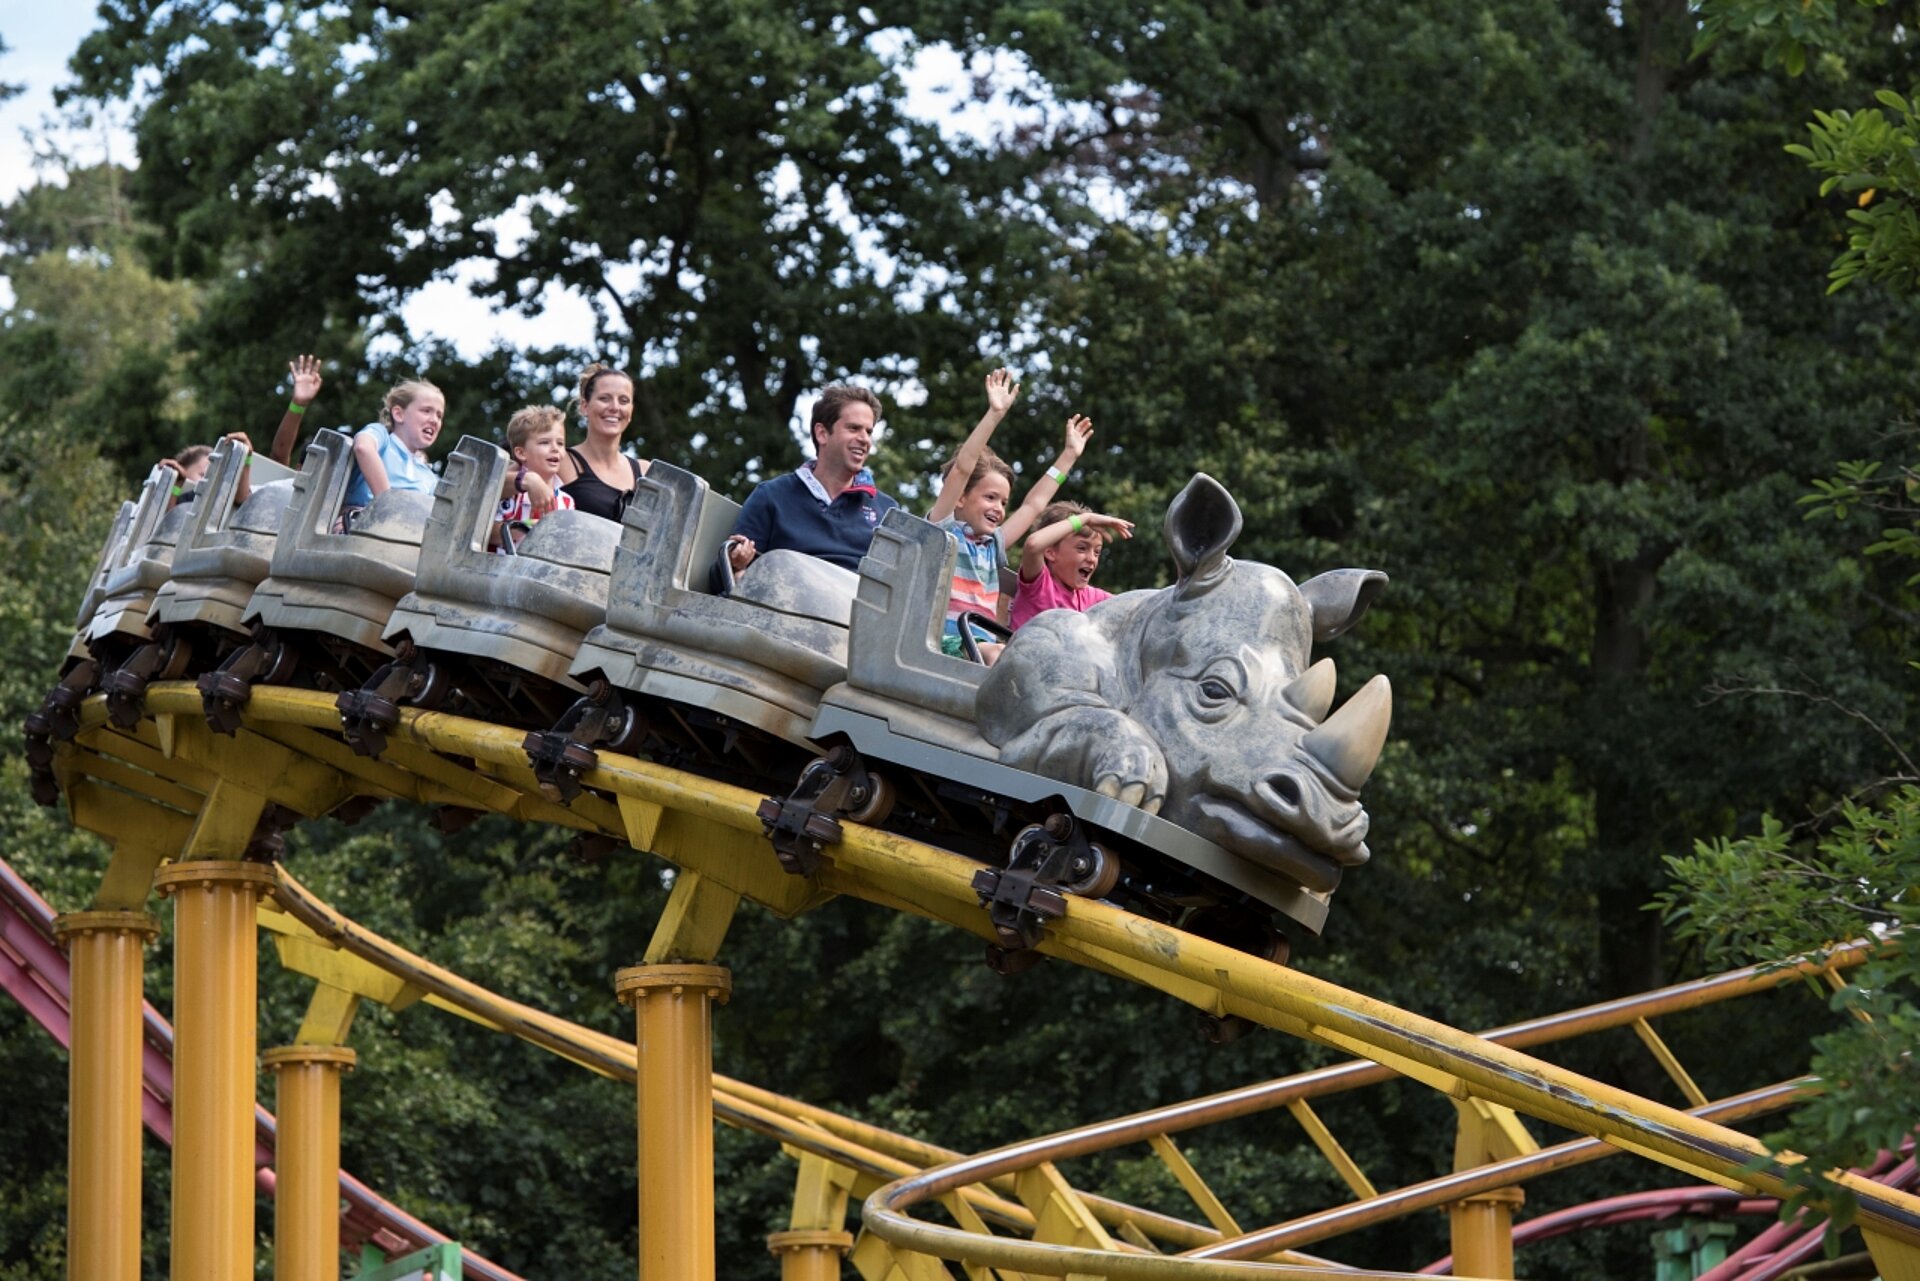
{"x": 1483, "y": 1233}
{"x": 810, "y": 1254}
{"x": 216, "y": 950}
{"x": 1483, "y": 1224}
{"x": 103, "y": 1134}
{"x": 306, "y": 1160}
{"x": 814, "y": 1243}
{"x": 674, "y": 1033}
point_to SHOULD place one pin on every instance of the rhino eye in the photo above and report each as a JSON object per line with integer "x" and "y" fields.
{"x": 1215, "y": 690}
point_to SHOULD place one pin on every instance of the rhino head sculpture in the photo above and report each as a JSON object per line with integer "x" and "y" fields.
{"x": 1197, "y": 702}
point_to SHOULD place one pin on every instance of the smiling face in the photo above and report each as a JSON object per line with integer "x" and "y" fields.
{"x": 608, "y": 407}
{"x": 543, "y": 451}
{"x": 984, "y": 505}
{"x": 417, "y": 423}
{"x": 1073, "y": 559}
{"x": 842, "y": 446}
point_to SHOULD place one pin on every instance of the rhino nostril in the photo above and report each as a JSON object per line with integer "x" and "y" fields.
{"x": 1285, "y": 788}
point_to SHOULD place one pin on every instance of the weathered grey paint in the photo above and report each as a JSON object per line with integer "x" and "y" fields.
{"x": 762, "y": 655}
{"x": 140, "y": 564}
{"x": 529, "y": 611}
{"x": 341, "y": 584}
{"x": 226, "y": 551}
{"x": 1196, "y": 702}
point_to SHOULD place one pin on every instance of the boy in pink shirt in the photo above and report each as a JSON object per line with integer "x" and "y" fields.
{"x": 1057, "y": 564}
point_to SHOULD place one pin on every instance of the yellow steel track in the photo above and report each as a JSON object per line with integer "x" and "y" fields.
{"x": 172, "y": 785}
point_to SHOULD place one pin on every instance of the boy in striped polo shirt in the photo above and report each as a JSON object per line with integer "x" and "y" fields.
{"x": 972, "y": 508}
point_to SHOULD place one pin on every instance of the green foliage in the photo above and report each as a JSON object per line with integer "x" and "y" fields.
{"x": 1422, "y": 285}
{"x": 734, "y": 189}
{"x": 1876, "y": 160}
{"x": 1848, "y": 873}
{"x": 1883, "y": 494}
{"x": 1789, "y": 30}
{"x": 8, "y": 90}
{"x": 56, "y": 499}
{"x": 80, "y": 284}
{"x": 1782, "y": 893}
{"x": 1865, "y": 155}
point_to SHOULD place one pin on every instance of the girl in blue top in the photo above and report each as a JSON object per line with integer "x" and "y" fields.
{"x": 392, "y": 453}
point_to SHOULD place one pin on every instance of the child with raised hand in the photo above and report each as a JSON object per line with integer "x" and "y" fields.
{"x": 1057, "y": 564}
{"x": 972, "y": 508}
{"x": 306, "y": 386}
{"x": 537, "y": 439}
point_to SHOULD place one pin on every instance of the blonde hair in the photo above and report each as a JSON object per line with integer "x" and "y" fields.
{"x": 403, "y": 394}
{"x": 531, "y": 422}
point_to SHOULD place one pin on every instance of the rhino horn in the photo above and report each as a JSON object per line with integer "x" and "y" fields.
{"x": 1349, "y": 743}
{"x": 1311, "y": 692}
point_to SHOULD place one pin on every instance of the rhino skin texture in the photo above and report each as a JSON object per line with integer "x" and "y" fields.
{"x": 1196, "y": 701}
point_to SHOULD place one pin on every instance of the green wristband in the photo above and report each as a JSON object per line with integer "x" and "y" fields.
{"x": 1057, "y": 476}
{"x": 1073, "y": 523}
{"x": 178, "y": 490}
{"x": 292, "y": 408}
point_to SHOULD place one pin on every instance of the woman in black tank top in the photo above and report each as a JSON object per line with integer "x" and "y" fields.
{"x": 598, "y": 476}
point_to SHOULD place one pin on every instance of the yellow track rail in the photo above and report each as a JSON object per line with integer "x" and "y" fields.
{"x": 167, "y": 778}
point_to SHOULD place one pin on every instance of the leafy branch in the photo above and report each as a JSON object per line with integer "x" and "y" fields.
{"x": 1872, "y": 155}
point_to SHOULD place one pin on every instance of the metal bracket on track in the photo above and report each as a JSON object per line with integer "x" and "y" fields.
{"x": 1048, "y": 861}
{"x": 228, "y": 688}
{"x": 561, "y": 755}
{"x": 56, "y": 721}
{"x": 164, "y": 657}
{"x": 833, "y": 787}
{"x": 368, "y": 713}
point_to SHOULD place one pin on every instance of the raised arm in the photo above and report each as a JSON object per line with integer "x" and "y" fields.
{"x": 1108, "y": 527}
{"x": 306, "y": 385}
{"x": 1020, "y": 520}
{"x": 1002, "y": 391}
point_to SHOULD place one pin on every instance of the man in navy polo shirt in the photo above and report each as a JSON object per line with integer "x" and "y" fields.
{"x": 828, "y": 506}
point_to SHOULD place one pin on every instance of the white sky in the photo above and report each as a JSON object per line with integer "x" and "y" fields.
{"x": 41, "y": 37}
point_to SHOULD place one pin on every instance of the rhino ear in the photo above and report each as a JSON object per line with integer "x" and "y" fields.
{"x": 1202, "y": 523}
{"x": 1339, "y": 597}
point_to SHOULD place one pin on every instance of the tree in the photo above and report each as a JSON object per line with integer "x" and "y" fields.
{"x": 735, "y": 190}
{"x": 56, "y": 499}
{"x": 1425, "y": 289}
{"x": 80, "y": 283}
{"x": 1869, "y": 155}
{"x": 1843, "y": 874}
{"x": 7, "y": 90}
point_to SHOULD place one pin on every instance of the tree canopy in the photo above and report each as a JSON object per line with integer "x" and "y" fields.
{"x": 1515, "y": 300}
